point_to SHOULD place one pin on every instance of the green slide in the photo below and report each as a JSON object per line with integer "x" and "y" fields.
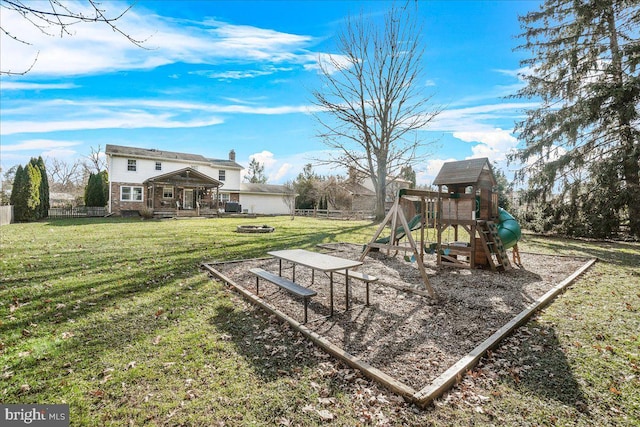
{"x": 508, "y": 229}
{"x": 414, "y": 224}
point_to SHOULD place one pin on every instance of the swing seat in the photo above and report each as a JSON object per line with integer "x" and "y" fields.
{"x": 431, "y": 249}
{"x": 411, "y": 258}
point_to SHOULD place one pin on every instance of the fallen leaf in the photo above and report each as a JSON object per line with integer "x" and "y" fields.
{"x": 130, "y": 365}
{"x": 25, "y": 387}
{"x": 614, "y": 390}
{"x": 156, "y": 340}
{"x": 97, "y": 393}
{"x": 325, "y": 415}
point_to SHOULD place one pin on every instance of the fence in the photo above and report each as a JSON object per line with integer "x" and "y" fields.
{"x": 334, "y": 214}
{"x": 6, "y": 215}
{"x": 79, "y": 212}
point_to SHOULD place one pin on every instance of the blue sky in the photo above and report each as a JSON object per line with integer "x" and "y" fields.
{"x": 222, "y": 75}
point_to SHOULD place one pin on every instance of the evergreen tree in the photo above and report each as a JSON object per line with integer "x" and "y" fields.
{"x": 104, "y": 178}
{"x": 306, "y": 188}
{"x": 96, "y": 191}
{"x": 16, "y": 191}
{"x": 584, "y": 65}
{"x": 27, "y": 202}
{"x": 407, "y": 173}
{"x": 43, "y": 209}
{"x": 504, "y": 188}
{"x": 256, "y": 173}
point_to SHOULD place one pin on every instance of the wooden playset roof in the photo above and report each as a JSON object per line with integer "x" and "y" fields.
{"x": 464, "y": 172}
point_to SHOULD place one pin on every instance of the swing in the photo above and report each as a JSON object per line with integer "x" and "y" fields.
{"x": 447, "y": 251}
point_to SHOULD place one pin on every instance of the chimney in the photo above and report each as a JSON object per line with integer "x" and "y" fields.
{"x": 232, "y": 155}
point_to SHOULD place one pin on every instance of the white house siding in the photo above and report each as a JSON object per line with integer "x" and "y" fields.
{"x": 266, "y": 204}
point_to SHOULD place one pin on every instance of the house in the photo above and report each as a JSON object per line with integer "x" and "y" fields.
{"x": 181, "y": 184}
{"x": 363, "y": 192}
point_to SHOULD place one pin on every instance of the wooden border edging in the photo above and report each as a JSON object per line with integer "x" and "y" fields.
{"x": 351, "y": 360}
{"x": 452, "y": 375}
{"x": 447, "y": 379}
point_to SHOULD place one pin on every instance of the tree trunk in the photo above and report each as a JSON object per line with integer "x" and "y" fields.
{"x": 381, "y": 194}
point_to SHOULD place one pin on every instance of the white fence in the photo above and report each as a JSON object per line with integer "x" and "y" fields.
{"x": 79, "y": 212}
{"x": 6, "y": 215}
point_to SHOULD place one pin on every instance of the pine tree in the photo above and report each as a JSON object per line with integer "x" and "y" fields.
{"x": 28, "y": 197}
{"x": 43, "y": 209}
{"x": 584, "y": 65}
{"x": 96, "y": 192}
{"x": 256, "y": 173}
{"x": 16, "y": 191}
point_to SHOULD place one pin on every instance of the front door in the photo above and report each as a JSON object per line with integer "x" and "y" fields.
{"x": 188, "y": 198}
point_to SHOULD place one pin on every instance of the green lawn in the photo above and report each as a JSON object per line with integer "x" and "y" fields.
{"x": 113, "y": 317}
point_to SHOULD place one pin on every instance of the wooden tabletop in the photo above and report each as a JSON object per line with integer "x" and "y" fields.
{"x": 315, "y": 260}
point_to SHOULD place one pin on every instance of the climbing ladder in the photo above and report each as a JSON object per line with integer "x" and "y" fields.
{"x": 493, "y": 246}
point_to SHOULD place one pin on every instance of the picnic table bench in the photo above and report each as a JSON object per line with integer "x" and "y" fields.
{"x": 367, "y": 278}
{"x": 285, "y": 284}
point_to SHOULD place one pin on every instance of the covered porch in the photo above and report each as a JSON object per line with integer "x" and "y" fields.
{"x": 185, "y": 192}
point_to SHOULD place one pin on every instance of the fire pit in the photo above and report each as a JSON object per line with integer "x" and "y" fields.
{"x": 254, "y": 229}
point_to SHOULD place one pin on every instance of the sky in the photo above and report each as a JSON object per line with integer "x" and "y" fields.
{"x": 215, "y": 76}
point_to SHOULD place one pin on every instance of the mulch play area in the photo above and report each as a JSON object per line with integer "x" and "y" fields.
{"x": 403, "y": 332}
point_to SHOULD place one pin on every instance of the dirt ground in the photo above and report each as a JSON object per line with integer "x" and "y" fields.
{"x": 408, "y": 335}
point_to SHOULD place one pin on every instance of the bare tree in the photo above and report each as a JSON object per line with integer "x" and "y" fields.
{"x": 372, "y": 101}
{"x": 289, "y": 197}
{"x": 60, "y": 15}
{"x": 95, "y": 162}
{"x": 65, "y": 177}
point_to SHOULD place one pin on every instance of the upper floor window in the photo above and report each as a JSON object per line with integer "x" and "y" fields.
{"x": 222, "y": 175}
{"x": 131, "y": 165}
{"x": 158, "y": 166}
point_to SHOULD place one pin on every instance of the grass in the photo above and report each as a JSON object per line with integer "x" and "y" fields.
{"x": 113, "y": 317}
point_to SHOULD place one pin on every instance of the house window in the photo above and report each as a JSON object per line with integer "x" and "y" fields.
{"x": 158, "y": 166}
{"x": 167, "y": 192}
{"x": 130, "y": 194}
{"x": 131, "y": 165}
{"x": 224, "y": 197}
{"x": 222, "y": 175}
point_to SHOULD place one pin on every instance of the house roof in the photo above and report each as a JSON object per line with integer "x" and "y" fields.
{"x": 464, "y": 172}
{"x": 155, "y": 154}
{"x": 358, "y": 189}
{"x": 246, "y": 187}
{"x": 186, "y": 175}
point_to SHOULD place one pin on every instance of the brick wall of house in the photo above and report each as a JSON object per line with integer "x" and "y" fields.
{"x": 117, "y": 206}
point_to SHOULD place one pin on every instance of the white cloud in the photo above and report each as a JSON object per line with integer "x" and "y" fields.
{"x": 113, "y": 120}
{"x": 473, "y": 118}
{"x": 332, "y": 63}
{"x": 282, "y": 172}
{"x": 38, "y": 144}
{"x": 494, "y": 143}
{"x": 167, "y": 41}
{"x": 129, "y": 113}
{"x": 36, "y": 86}
{"x": 265, "y": 158}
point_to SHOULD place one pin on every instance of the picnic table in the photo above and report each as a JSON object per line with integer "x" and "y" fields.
{"x": 320, "y": 262}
